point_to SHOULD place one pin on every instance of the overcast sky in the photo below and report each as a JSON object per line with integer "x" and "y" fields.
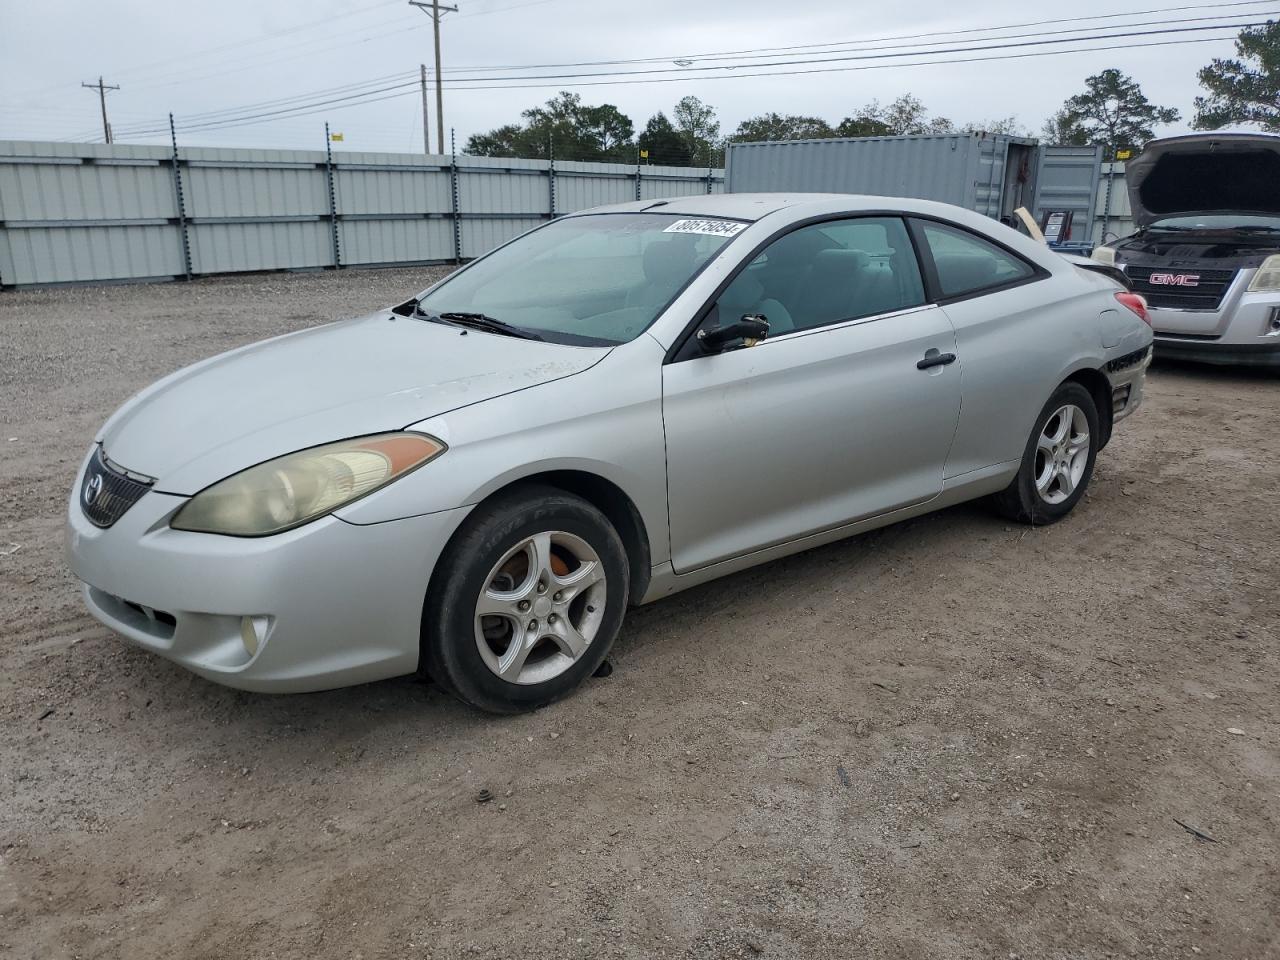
{"x": 194, "y": 58}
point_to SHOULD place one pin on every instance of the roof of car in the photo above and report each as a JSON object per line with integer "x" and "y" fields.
{"x": 738, "y": 206}
{"x": 755, "y": 206}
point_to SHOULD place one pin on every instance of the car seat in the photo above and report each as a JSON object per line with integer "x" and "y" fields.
{"x": 666, "y": 264}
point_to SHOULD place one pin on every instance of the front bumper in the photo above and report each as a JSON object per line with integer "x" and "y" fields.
{"x": 334, "y": 603}
{"x": 1258, "y": 354}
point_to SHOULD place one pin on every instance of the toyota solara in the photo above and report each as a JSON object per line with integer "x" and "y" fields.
{"x": 615, "y": 406}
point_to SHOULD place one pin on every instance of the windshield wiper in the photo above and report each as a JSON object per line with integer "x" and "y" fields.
{"x": 479, "y": 321}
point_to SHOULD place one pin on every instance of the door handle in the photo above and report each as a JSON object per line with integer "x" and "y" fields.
{"x": 935, "y": 360}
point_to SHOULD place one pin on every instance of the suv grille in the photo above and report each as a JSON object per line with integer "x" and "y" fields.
{"x": 1181, "y": 289}
{"x": 107, "y": 491}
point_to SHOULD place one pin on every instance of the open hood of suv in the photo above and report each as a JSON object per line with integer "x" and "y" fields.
{"x": 1205, "y": 173}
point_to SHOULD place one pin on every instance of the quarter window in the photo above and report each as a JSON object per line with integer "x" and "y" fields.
{"x": 966, "y": 263}
{"x": 828, "y": 272}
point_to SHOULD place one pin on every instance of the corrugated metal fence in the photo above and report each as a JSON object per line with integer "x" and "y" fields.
{"x": 86, "y": 212}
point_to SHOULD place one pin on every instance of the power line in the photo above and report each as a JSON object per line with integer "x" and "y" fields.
{"x": 239, "y": 43}
{"x": 782, "y": 51}
{"x": 273, "y": 59}
{"x": 347, "y": 41}
{"x": 285, "y": 101}
{"x": 514, "y": 6}
{"x": 875, "y": 66}
{"x": 139, "y": 127}
{"x": 227, "y": 66}
{"x": 249, "y": 121}
{"x": 369, "y": 88}
{"x": 884, "y": 55}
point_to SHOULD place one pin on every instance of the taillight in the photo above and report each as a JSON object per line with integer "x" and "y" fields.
{"x": 1136, "y": 305}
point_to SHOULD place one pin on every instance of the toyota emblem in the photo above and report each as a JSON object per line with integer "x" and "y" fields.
{"x": 92, "y": 489}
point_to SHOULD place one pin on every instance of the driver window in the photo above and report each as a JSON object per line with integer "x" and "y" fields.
{"x": 826, "y": 273}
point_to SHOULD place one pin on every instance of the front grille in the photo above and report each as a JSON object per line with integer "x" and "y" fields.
{"x": 107, "y": 491}
{"x": 1181, "y": 288}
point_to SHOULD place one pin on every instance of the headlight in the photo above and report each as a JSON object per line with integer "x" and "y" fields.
{"x": 1267, "y": 279}
{"x": 303, "y": 486}
{"x": 1105, "y": 255}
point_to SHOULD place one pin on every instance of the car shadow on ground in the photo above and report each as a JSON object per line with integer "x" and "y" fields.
{"x": 1218, "y": 373}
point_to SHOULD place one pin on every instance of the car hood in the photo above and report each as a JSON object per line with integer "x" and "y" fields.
{"x": 1205, "y": 173}
{"x": 377, "y": 373}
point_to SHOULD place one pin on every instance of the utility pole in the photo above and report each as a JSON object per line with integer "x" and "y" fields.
{"x": 426, "y": 127}
{"x": 434, "y": 10}
{"x": 102, "y": 89}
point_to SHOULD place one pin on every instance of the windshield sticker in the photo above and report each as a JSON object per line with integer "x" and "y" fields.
{"x": 710, "y": 228}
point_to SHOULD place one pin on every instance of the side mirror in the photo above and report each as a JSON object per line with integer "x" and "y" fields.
{"x": 750, "y": 329}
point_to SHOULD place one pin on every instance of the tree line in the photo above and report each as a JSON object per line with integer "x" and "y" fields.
{"x": 1112, "y": 111}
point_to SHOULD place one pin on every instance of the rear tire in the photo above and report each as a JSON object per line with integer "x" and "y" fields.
{"x": 1057, "y": 462}
{"x": 526, "y": 601}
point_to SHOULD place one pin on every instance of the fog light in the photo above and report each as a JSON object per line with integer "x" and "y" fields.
{"x": 1273, "y": 326}
{"x": 253, "y": 630}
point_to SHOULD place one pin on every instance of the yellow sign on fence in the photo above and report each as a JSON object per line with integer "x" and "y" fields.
{"x": 335, "y": 137}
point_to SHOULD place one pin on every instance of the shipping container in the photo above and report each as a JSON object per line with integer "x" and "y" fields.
{"x": 993, "y": 174}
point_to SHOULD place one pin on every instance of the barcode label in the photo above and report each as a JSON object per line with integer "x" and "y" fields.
{"x": 711, "y": 228}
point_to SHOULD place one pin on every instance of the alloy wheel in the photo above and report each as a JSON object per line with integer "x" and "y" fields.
{"x": 541, "y": 606}
{"x": 1062, "y": 453}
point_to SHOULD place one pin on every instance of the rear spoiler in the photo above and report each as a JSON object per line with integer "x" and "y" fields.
{"x": 1093, "y": 266}
{"x": 1114, "y": 273}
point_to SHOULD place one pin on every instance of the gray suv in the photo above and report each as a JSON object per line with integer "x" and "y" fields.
{"x": 1206, "y": 255}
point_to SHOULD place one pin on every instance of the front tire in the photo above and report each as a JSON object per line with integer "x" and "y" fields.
{"x": 527, "y": 600}
{"x": 1057, "y": 462}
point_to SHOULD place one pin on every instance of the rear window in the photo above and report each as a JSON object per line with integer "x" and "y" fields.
{"x": 968, "y": 264}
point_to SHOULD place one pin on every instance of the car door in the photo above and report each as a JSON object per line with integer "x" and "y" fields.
{"x": 1012, "y": 342}
{"x": 844, "y": 411}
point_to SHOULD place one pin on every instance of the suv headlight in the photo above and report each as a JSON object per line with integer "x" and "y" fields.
{"x": 304, "y": 486}
{"x": 1267, "y": 279}
{"x": 1105, "y": 255}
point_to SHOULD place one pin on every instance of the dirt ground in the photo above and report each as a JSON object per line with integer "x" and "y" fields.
{"x": 951, "y": 738}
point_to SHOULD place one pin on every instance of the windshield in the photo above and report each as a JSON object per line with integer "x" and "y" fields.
{"x": 599, "y": 279}
{"x": 1218, "y": 221}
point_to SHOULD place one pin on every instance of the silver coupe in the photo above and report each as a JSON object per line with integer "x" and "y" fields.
{"x": 615, "y": 406}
